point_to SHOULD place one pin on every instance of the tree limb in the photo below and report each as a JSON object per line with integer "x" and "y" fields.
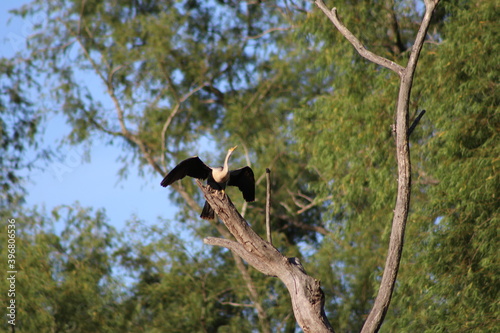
{"x": 305, "y": 292}
{"x": 332, "y": 15}
{"x": 250, "y": 285}
{"x": 238, "y": 304}
{"x": 125, "y": 133}
{"x": 415, "y": 122}
{"x": 268, "y": 206}
{"x": 268, "y": 31}
{"x": 382, "y": 301}
{"x": 171, "y": 116}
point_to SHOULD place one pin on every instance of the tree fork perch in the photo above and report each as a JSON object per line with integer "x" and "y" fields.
{"x": 307, "y": 297}
{"x": 381, "y": 304}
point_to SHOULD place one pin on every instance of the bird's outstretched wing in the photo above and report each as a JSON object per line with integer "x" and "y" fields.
{"x": 192, "y": 167}
{"x": 244, "y": 179}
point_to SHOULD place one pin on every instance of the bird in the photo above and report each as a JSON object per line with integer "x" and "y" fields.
{"x": 217, "y": 178}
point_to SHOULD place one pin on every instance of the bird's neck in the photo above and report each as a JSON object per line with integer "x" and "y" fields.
{"x": 225, "y": 168}
{"x": 221, "y": 175}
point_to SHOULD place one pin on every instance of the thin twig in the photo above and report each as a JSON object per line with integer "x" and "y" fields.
{"x": 314, "y": 203}
{"x": 171, "y": 117}
{"x": 268, "y": 206}
{"x": 415, "y": 122}
{"x": 80, "y": 19}
{"x": 268, "y": 31}
{"x": 238, "y": 304}
{"x": 383, "y": 299}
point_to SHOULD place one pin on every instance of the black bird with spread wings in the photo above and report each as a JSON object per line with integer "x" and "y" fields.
{"x": 218, "y": 178}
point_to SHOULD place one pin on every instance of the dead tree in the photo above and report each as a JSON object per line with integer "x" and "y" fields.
{"x": 305, "y": 292}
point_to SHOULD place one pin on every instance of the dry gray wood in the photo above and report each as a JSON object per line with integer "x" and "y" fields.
{"x": 305, "y": 291}
{"x": 383, "y": 299}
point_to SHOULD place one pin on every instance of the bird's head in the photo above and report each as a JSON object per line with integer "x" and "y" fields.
{"x": 229, "y": 152}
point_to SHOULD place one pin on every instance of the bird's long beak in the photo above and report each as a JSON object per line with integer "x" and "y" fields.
{"x": 232, "y": 149}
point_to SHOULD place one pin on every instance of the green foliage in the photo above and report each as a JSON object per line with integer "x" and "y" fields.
{"x": 449, "y": 276}
{"x": 19, "y": 124}
{"x": 174, "y": 75}
{"x": 453, "y": 268}
{"x": 64, "y": 282}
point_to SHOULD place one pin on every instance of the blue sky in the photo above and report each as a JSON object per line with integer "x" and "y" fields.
{"x": 95, "y": 183}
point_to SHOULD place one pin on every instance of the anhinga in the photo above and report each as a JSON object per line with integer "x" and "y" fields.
{"x": 218, "y": 178}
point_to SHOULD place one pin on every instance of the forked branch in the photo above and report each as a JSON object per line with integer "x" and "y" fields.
{"x": 305, "y": 292}
{"x": 382, "y": 301}
{"x": 332, "y": 15}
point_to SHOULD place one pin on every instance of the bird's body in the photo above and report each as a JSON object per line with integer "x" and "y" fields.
{"x": 217, "y": 178}
{"x": 220, "y": 175}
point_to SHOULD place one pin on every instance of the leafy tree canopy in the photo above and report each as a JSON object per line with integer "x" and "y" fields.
{"x": 159, "y": 79}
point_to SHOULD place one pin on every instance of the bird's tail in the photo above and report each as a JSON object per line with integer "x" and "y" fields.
{"x": 207, "y": 213}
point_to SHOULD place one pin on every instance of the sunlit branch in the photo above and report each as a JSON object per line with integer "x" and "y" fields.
{"x": 171, "y": 116}
{"x": 383, "y": 299}
{"x": 304, "y": 207}
{"x": 415, "y": 122}
{"x": 268, "y": 31}
{"x": 332, "y": 15}
{"x": 305, "y": 292}
{"x": 238, "y": 304}
{"x": 120, "y": 113}
{"x": 314, "y": 203}
{"x": 249, "y": 163}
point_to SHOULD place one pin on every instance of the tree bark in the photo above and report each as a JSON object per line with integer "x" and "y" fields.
{"x": 383, "y": 299}
{"x": 307, "y": 297}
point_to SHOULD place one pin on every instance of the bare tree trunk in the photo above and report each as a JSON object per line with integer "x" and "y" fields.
{"x": 305, "y": 292}
{"x": 307, "y": 297}
{"x": 382, "y": 301}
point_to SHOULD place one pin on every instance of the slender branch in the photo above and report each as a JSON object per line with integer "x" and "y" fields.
{"x": 261, "y": 93}
{"x": 241, "y": 251}
{"x": 80, "y": 18}
{"x": 113, "y": 72}
{"x": 415, "y": 122}
{"x": 120, "y": 112}
{"x": 396, "y": 242}
{"x": 268, "y": 31}
{"x": 314, "y": 203}
{"x": 305, "y": 292}
{"x": 172, "y": 87}
{"x": 171, "y": 117}
{"x": 268, "y": 206}
{"x": 238, "y": 304}
{"x": 402, "y": 131}
{"x": 332, "y": 15}
{"x": 92, "y": 62}
{"x": 100, "y": 126}
{"x": 319, "y": 229}
{"x": 394, "y": 32}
